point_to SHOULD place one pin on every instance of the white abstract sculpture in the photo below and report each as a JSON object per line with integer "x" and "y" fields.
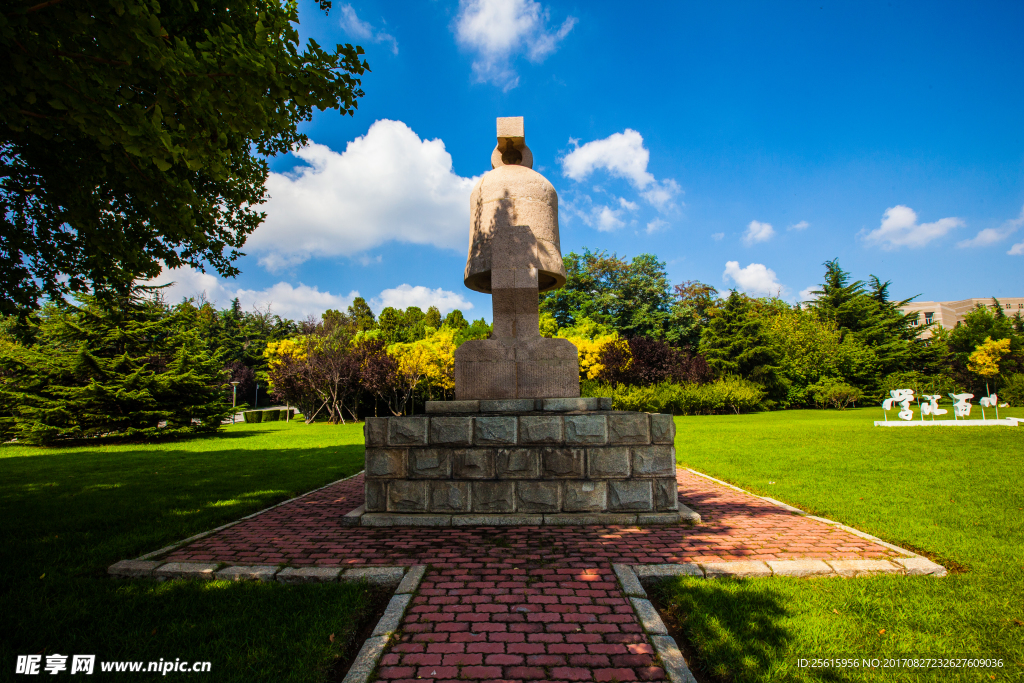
{"x": 961, "y": 404}
{"x": 932, "y": 406}
{"x": 902, "y": 397}
{"x": 989, "y": 402}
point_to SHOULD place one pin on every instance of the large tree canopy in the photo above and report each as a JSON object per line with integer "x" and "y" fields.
{"x": 134, "y": 134}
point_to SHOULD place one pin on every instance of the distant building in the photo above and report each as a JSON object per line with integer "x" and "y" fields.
{"x": 949, "y": 313}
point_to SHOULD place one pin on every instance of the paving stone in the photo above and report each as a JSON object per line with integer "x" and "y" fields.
{"x": 541, "y": 429}
{"x": 441, "y": 407}
{"x": 185, "y": 570}
{"x": 385, "y": 462}
{"x": 448, "y": 496}
{"x": 654, "y": 461}
{"x": 585, "y": 496}
{"x": 672, "y": 659}
{"x": 430, "y": 463}
{"x": 392, "y": 617}
{"x": 920, "y": 566}
{"x": 740, "y": 568}
{"x": 375, "y": 431}
{"x": 517, "y": 463}
{"x": 411, "y": 582}
{"x": 308, "y": 574}
{"x": 475, "y": 463}
{"x": 495, "y": 431}
{"x": 629, "y": 428}
{"x": 564, "y": 405}
{"x": 248, "y": 573}
{"x": 663, "y": 429}
{"x": 628, "y": 579}
{"x": 630, "y": 495}
{"x": 799, "y": 568}
{"x": 666, "y": 494}
{"x": 561, "y": 462}
{"x": 863, "y": 567}
{"x": 493, "y": 496}
{"x": 451, "y": 431}
{"x": 538, "y": 496}
{"x": 649, "y": 618}
{"x": 133, "y": 568}
{"x": 376, "y": 496}
{"x": 586, "y": 430}
{"x": 407, "y": 496}
{"x": 407, "y": 431}
{"x": 497, "y": 520}
{"x": 661, "y": 571}
{"x": 507, "y": 405}
{"x": 380, "y": 576}
{"x": 610, "y": 462}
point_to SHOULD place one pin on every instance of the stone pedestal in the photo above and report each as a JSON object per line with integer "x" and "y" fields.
{"x": 521, "y": 461}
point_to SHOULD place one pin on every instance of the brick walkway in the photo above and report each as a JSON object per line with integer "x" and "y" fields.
{"x": 524, "y": 604}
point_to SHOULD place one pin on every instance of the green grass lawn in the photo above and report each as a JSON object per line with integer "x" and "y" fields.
{"x": 69, "y": 513}
{"x": 953, "y": 494}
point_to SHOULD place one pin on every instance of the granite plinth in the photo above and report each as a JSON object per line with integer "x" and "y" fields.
{"x": 559, "y": 460}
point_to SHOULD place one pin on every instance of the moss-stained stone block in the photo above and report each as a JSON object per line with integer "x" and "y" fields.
{"x": 666, "y": 494}
{"x": 385, "y": 463}
{"x": 612, "y": 462}
{"x": 562, "y": 462}
{"x": 663, "y": 429}
{"x": 586, "y": 430}
{"x": 451, "y": 431}
{"x": 495, "y": 431}
{"x": 448, "y": 496}
{"x": 654, "y": 461}
{"x": 541, "y": 429}
{"x": 376, "y": 496}
{"x": 518, "y": 463}
{"x": 628, "y": 428}
{"x": 585, "y": 496}
{"x": 407, "y": 431}
{"x": 407, "y": 496}
{"x": 474, "y": 463}
{"x": 492, "y": 496}
{"x": 538, "y": 496}
{"x": 430, "y": 463}
{"x": 630, "y": 495}
{"x": 375, "y": 431}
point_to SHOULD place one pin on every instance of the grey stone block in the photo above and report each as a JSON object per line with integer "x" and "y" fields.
{"x": 585, "y": 496}
{"x": 861, "y": 567}
{"x": 380, "y": 576}
{"x": 366, "y": 661}
{"x": 654, "y": 461}
{"x": 628, "y": 428}
{"x": 495, "y": 431}
{"x": 541, "y": 429}
{"x": 248, "y": 573}
{"x": 451, "y": 431}
{"x": 739, "y": 568}
{"x": 662, "y": 571}
{"x": 448, "y": 496}
{"x": 385, "y": 463}
{"x": 508, "y": 405}
{"x": 590, "y": 518}
{"x": 649, "y": 618}
{"x": 688, "y": 515}
{"x": 351, "y": 518}
{"x": 407, "y": 431}
{"x": 629, "y": 581}
{"x": 474, "y": 463}
{"x": 666, "y": 494}
{"x": 518, "y": 463}
{"x": 392, "y": 616}
{"x": 612, "y": 462}
{"x": 561, "y": 462}
{"x": 308, "y": 574}
{"x": 493, "y": 496}
{"x": 604, "y": 402}
{"x": 672, "y": 660}
{"x": 799, "y": 568}
{"x": 376, "y": 496}
{"x": 497, "y": 520}
{"x": 630, "y": 495}
{"x": 375, "y": 431}
{"x": 185, "y": 570}
{"x": 663, "y": 429}
{"x": 407, "y": 496}
{"x": 442, "y": 407}
{"x": 565, "y": 405}
{"x": 538, "y": 496}
{"x": 586, "y": 430}
{"x": 133, "y": 568}
{"x": 658, "y": 518}
{"x": 430, "y": 463}
{"x": 920, "y": 566}
{"x": 379, "y": 519}
{"x": 411, "y": 582}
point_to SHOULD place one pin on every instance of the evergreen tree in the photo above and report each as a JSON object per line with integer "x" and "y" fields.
{"x": 360, "y": 312}
{"x": 456, "y": 320}
{"x": 433, "y": 318}
{"x": 734, "y": 344}
{"x": 390, "y": 325}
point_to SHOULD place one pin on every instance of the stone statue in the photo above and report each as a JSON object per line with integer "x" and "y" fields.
{"x": 513, "y": 256}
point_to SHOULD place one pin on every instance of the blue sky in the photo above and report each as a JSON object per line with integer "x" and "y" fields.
{"x": 742, "y": 143}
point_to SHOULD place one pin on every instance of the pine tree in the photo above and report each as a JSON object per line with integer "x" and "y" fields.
{"x": 733, "y": 343}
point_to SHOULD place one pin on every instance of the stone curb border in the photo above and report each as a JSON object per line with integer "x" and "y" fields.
{"x": 918, "y": 562}
{"x": 204, "y": 534}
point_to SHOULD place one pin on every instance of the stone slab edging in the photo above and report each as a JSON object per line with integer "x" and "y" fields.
{"x": 387, "y": 519}
{"x": 917, "y": 566}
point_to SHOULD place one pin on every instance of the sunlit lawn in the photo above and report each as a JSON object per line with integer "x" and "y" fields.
{"x": 954, "y": 494}
{"x": 69, "y": 513}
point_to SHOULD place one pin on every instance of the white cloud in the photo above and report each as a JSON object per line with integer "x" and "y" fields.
{"x": 808, "y": 293}
{"x": 404, "y": 296}
{"x": 900, "y": 228}
{"x": 625, "y": 204}
{"x": 756, "y": 279}
{"x": 802, "y": 225}
{"x": 387, "y": 185}
{"x": 606, "y": 219}
{"x": 990, "y": 236}
{"x": 656, "y": 225}
{"x": 717, "y": 236}
{"x": 1017, "y": 249}
{"x": 622, "y": 155}
{"x": 362, "y": 30}
{"x": 758, "y": 232}
{"x": 498, "y": 30}
{"x": 284, "y": 299}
